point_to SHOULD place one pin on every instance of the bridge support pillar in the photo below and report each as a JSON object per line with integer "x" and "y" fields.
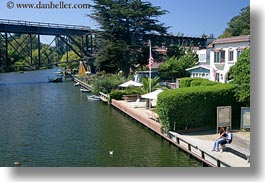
{"x": 6, "y": 51}
{"x": 39, "y": 56}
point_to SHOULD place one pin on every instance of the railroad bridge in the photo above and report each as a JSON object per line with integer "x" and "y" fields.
{"x": 33, "y": 30}
{"x": 83, "y": 48}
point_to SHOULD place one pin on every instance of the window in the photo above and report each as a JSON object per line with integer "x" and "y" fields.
{"x": 216, "y": 57}
{"x": 239, "y": 52}
{"x": 219, "y": 57}
{"x": 231, "y": 55}
{"x": 222, "y": 59}
{"x": 202, "y": 58}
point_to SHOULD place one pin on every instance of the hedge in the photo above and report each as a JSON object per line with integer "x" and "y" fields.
{"x": 195, "y": 82}
{"x": 195, "y": 107}
{"x": 117, "y": 94}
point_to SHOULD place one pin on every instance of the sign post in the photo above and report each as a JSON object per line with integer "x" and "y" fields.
{"x": 224, "y": 114}
{"x": 245, "y": 117}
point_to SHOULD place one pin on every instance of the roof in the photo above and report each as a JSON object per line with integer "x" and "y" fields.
{"x": 205, "y": 66}
{"x": 243, "y": 38}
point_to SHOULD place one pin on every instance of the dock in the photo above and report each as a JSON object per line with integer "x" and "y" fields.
{"x": 197, "y": 146}
{"x": 83, "y": 84}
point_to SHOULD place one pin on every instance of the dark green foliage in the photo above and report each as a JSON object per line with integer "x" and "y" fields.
{"x": 124, "y": 24}
{"x": 195, "y": 107}
{"x": 106, "y": 83}
{"x": 175, "y": 67}
{"x": 117, "y": 94}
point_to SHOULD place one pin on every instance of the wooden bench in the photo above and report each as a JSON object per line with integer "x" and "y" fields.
{"x": 131, "y": 98}
{"x": 238, "y": 150}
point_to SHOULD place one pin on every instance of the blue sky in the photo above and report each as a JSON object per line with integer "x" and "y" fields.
{"x": 190, "y": 17}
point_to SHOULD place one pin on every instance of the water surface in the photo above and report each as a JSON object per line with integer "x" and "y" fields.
{"x": 53, "y": 124}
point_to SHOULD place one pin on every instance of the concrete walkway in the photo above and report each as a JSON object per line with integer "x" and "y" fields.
{"x": 203, "y": 140}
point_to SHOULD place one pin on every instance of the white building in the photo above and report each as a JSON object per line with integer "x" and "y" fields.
{"x": 224, "y": 54}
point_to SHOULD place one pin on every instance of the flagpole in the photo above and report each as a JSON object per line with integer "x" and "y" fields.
{"x": 150, "y": 70}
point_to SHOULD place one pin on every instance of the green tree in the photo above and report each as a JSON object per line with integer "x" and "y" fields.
{"x": 240, "y": 73}
{"x": 176, "y": 68}
{"x": 176, "y": 51}
{"x": 146, "y": 86}
{"x": 71, "y": 57}
{"x": 124, "y": 24}
{"x": 238, "y": 25}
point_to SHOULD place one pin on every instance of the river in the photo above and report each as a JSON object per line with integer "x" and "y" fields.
{"x": 54, "y": 125}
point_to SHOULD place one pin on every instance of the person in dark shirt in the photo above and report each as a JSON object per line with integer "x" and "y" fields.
{"x": 219, "y": 140}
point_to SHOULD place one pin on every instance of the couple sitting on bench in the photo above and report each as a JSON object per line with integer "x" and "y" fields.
{"x": 225, "y": 137}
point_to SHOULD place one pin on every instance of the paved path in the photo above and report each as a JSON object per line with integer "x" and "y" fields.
{"x": 203, "y": 140}
{"x": 205, "y": 143}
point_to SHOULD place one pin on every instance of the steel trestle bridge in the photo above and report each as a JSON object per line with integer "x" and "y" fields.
{"x": 65, "y": 33}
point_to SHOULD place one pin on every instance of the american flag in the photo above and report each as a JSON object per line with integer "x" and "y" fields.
{"x": 151, "y": 59}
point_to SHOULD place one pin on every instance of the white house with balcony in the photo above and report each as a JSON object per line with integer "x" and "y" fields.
{"x": 224, "y": 54}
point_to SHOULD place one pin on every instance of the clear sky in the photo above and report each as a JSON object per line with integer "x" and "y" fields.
{"x": 190, "y": 17}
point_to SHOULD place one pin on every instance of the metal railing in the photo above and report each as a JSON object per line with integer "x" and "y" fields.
{"x": 45, "y": 25}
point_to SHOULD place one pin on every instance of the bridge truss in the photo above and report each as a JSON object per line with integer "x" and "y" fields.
{"x": 34, "y": 30}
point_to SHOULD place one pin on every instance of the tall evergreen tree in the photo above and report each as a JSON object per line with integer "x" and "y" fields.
{"x": 123, "y": 24}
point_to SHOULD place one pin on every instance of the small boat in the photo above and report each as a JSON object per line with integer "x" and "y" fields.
{"x": 84, "y": 90}
{"x": 76, "y": 84}
{"x": 93, "y": 97}
{"x": 59, "y": 72}
{"x": 57, "y": 79}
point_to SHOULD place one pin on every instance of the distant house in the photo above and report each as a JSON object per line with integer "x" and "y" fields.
{"x": 202, "y": 69}
{"x": 224, "y": 54}
{"x": 215, "y": 61}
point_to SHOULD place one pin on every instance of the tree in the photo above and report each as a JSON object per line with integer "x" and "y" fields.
{"x": 71, "y": 64}
{"x": 176, "y": 51}
{"x": 176, "y": 67}
{"x": 123, "y": 25}
{"x": 238, "y": 25}
{"x": 240, "y": 73}
{"x": 146, "y": 86}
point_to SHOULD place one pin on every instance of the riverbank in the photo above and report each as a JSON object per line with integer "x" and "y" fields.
{"x": 197, "y": 144}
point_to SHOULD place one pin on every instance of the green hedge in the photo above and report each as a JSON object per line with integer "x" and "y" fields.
{"x": 195, "y": 107}
{"x": 117, "y": 94}
{"x": 195, "y": 82}
{"x": 185, "y": 82}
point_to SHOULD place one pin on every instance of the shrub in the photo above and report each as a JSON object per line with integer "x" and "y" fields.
{"x": 106, "y": 83}
{"x": 117, "y": 94}
{"x": 195, "y": 82}
{"x": 196, "y": 106}
{"x": 185, "y": 82}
